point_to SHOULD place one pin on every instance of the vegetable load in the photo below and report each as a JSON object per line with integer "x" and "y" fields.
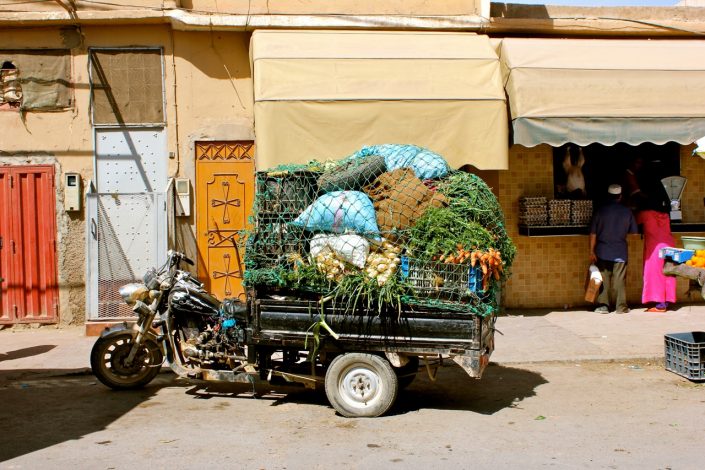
{"x": 389, "y": 225}
{"x": 383, "y": 265}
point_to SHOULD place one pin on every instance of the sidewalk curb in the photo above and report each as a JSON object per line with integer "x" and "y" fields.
{"x": 24, "y": 374}
{"x": 612, "y": 360}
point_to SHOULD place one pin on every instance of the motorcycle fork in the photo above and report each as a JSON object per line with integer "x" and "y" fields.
{"x": 170, "y": 346}
{"x": 143, "y": 325}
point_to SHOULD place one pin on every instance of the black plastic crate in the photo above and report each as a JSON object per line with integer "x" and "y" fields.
{"x": 272, "y": 241}
{"x": 284, "y": 195}
{"x": 685, "y": 354}
{"x": 281, "y": 197}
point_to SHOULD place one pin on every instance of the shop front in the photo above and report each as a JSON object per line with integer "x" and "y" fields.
{"x": 581, "y": 112}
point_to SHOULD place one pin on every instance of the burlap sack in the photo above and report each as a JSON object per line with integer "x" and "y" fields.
{"x": 400, "y": 198}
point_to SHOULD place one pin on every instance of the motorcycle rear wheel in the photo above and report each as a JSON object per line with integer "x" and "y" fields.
{"x": 108, "y": 362}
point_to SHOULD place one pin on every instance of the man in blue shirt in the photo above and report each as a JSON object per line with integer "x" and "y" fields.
{"x": 608, "y": 249}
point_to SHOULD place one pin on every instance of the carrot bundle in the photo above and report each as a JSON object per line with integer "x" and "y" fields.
{"x": 490, "y": 262}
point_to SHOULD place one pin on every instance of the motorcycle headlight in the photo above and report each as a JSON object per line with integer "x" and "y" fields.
{"x": 131, "y": 293}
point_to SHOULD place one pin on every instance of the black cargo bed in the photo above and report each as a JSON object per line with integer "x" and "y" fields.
{"x": 415, "y": 329}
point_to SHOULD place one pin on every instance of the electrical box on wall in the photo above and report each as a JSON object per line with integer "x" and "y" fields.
{"x": 183, "y": 191}
{"x": 72, "y": 192}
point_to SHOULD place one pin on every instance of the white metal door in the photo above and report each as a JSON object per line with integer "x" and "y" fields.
{"x": 128, "y": 219}
{"x": 131, "y": 160}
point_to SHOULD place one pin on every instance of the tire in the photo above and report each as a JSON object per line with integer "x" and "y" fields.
{"x": 107, "y": 362}
{"x": 361, "y": 385}
{"x": 407, "y": 373}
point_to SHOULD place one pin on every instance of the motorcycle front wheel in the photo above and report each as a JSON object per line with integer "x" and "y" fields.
{"x": 109, "y": 366}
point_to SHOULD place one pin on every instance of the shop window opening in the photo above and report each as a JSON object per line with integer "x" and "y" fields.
{"x": 10, "y": 87}
{"x": 581, "y": 176}
{"x": 586, "y": 172}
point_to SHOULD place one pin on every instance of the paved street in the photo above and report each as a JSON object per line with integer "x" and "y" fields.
{"x": 629, "y": 414}
{"x": 569, "y": 389}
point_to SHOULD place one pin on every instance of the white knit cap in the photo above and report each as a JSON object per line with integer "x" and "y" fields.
{"x": 614, "y": 189}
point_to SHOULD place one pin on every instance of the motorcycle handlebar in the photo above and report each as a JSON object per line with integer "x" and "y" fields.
{"x": 176, "y": 256}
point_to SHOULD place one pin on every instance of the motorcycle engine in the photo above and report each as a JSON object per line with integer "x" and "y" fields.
{"x": 218, "y": 339}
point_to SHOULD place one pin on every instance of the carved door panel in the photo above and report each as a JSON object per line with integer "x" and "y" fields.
{"x": 225, "y": 189}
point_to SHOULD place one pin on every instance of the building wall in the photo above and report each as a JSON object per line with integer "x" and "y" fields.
{"x": 207, "y": 85}
{"x": 214, "y": 98}
{"x": 63, "y": 139}
{"x": 550, "y": 271}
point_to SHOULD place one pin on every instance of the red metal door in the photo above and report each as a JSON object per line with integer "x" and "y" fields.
{"x": 28, "y": 250}
{"x": 5, "y": 211}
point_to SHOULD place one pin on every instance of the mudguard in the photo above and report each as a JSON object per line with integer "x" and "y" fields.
{"x": 123, "y": 328}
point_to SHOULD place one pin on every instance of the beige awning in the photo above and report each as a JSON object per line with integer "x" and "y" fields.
{"x": 605, "y": 91}
{"x": 325, "y": 94}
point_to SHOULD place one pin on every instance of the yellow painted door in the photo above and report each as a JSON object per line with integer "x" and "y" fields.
{"x": 225, "y": 190}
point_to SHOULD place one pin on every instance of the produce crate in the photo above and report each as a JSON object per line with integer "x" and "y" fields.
{"x": 273, "y": 240}
{"x": 283, "y": 194}
{"x": 685, "y": 354}
{"x": 433, "y": 279}
{"x": 281, "y": 197}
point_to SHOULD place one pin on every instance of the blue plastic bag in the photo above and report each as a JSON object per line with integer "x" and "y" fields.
{"x": 425, "y": 163}
{"x": 429, "y": 165}
{"x": 339, "y": 211}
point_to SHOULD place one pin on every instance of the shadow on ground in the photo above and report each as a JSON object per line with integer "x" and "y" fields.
{"x": 41, "y": 409}
{"x": 59, "y": 406}
{"x": 501, "y": 387}
{"x": 26, "y": 352}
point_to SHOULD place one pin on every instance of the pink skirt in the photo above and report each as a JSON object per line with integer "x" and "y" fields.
{"x": 657, "y": 234}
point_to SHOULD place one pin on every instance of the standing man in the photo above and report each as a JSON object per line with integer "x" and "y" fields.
{"x": 608, "y": 249}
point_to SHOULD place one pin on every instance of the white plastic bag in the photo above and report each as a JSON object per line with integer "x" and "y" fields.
{"x": 595, "y": 274}
{"x": 350, "y": 247}
{"x": 593, "y": 284}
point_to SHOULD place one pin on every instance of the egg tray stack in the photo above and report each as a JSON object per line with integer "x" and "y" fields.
{"x": 559, "y": 212}
{"x": 533, "y": 211}
{"x": 581, "y": 212}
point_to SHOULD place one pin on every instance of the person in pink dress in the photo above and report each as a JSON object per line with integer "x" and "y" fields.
{"x": 659, "y": 290}
{"x": 647, "y": 195}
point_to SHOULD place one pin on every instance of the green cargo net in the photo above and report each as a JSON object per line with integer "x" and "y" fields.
{"x": 388, "y": 226}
